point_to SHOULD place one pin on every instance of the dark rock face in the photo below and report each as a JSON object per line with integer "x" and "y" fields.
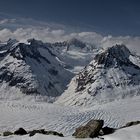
{"x": 20, "y": 131}
{"x": 52, "y": 71}
{"x": 90, "y": 130}
{"x": 116, "y": 55}
{"x": 42, "y": 131}
{"x": 7, "y": 133}
{"x": 32, "y": 133}
{"x": 21, "y": 51}
{"x": 13, "y": 80}
{"x": 131, "y": 124}
{"x": 82, "y": 80}
{"x": 106, "y": 130}
{"x": 5, "y": 75}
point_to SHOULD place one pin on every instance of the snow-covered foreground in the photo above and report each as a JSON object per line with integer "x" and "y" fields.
{"x": 130, "y": 133}
{"x": 40, "y": 137}
{"x": 15, "y": 114}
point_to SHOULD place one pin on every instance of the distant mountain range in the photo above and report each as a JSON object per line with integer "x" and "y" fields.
{"x": 70, "y": 72}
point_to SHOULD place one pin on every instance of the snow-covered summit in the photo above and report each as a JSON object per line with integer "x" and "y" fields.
{"x": 32, "y": 69}
{"x": 118, "y": 54}
{"x": 110, "y": 76}
{"x": 74, "y": 53}
{"x": 40, "y": 68}
{"x": 75, "y": 42}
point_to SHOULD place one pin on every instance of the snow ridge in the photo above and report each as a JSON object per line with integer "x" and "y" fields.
{"x": 110, "y": 76}
{"x": 32, "y": 69}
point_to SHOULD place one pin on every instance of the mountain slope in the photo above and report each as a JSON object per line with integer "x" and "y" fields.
{"x": 31, "y": 69}
{"x": 110, "y": 76}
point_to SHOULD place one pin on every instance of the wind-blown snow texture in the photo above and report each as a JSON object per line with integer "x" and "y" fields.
{"x": 15, "y": 114}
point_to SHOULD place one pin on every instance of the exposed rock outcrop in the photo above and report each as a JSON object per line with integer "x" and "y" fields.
{"x": 44, "y": 132}
{"x": 20, "y": 131}
{"x": 90, "y": 130}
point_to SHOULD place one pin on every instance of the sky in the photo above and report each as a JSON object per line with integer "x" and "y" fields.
{"x": 101, "y": 22}
{"x": 115, "y": 17}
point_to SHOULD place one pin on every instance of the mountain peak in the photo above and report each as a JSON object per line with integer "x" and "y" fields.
{"x": 32, "y": 69}
{"x": 11, "y": 41}
{"x": 76, "y": 42}
{"x": 115, "y": 55}
{"x": 34, "y": 42}
{"x": 110, "y": 76}
{"x": 73, "y": 40}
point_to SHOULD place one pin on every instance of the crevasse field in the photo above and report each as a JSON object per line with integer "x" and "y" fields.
{"x": 30, "y": 115}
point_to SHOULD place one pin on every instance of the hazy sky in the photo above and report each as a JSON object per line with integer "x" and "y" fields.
{"x": 116, "y": 17}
